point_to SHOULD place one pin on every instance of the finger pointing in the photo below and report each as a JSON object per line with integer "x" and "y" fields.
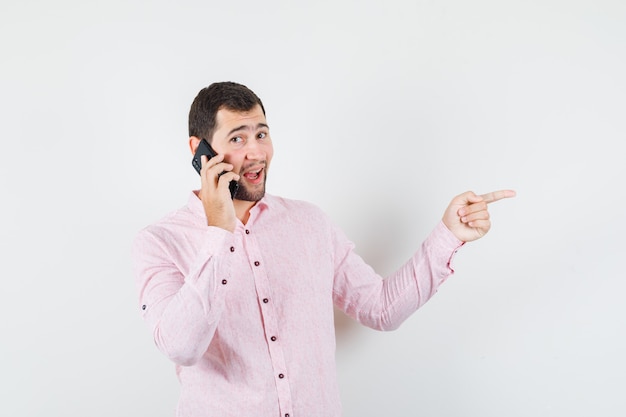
{"x": 498, "y": 195}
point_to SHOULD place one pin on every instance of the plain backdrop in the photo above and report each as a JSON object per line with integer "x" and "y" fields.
{"x": 380, "y": 113}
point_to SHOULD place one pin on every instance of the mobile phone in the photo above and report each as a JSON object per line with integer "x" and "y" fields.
{"x": 205, "y": 149}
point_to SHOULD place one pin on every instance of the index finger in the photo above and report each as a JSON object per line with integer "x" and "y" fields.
{"x": 498, "y": 195}
{"x": 216, "y": 159}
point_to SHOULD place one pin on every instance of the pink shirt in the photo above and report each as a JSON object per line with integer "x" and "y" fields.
{"x": 248, "y": 316}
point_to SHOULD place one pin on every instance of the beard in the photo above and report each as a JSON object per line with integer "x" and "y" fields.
{"x": 246, "y": 194}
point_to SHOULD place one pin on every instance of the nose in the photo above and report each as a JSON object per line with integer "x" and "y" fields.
{"x": 254, "y": 151}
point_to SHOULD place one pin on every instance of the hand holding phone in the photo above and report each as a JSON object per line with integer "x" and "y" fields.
{"x": 205, "y": 149}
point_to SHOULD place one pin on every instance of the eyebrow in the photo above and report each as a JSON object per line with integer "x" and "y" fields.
{"x": 245, "y": 127}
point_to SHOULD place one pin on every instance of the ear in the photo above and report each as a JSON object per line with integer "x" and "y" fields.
{"x": 194, "y": 141}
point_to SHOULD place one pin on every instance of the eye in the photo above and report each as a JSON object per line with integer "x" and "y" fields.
{"x": 237, "y": 139}
{"x": 261, "y": 135}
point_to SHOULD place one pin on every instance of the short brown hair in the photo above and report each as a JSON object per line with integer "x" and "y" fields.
{"x": 221, "y": 95}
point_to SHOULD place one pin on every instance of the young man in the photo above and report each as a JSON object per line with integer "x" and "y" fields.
{"x": 239, "y": 292}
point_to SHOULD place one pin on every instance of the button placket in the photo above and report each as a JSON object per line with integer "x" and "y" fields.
{"x": 269, "y": 315}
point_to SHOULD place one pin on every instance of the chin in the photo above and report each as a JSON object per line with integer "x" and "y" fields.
{"x": 244, "y": 194}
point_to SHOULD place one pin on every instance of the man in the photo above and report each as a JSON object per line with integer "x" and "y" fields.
{"x": 239, "y": 291}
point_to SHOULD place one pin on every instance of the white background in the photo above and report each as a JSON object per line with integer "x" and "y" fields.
{"x": 380, "y": 113}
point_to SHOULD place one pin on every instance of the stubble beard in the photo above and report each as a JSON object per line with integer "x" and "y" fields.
{"x": 245, "y": 194}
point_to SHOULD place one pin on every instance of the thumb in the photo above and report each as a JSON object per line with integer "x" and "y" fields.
{"x": 469, "y": 197}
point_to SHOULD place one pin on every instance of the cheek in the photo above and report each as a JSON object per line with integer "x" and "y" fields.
{"x": 269, "y": 152}
{"x": 235, "y": 160}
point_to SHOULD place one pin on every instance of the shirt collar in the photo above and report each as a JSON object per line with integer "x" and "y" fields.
{"x": 195, "y": 204}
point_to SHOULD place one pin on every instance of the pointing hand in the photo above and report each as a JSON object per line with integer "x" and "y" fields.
{"x": 467, "y": 215}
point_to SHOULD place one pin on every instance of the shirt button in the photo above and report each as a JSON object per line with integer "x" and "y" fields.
{"x": 143, "y": 307}
{"x": 265, "y": 300}
{"x": 224, "y": 282}
{"x": 232, "y": 248}
{"x": 273, "y": 338}
{"x": 287, "y": 415}
{"x": 257, "y": 263}
{"x": 247, "y": 232}
{"x": 281, "y": 376}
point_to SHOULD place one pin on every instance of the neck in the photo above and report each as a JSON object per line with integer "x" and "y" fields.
{"x": 242, "y": 209}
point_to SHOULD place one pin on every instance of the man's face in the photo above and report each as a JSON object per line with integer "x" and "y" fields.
{"x": 244, "y": 139}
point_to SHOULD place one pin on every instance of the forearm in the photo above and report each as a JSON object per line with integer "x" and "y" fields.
{"x": 183, "y": 305}
{"x": 385, "y": 304}
{"x": 411, "y": 286}
{"x": 185, "y": 325}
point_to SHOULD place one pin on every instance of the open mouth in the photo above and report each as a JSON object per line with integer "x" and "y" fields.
{"x": 254, "y": 175}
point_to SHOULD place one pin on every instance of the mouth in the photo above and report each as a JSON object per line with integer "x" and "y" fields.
{"x": 254, "y": 175}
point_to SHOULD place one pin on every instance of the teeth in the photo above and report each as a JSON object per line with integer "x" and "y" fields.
{"x": 253, "y": 174}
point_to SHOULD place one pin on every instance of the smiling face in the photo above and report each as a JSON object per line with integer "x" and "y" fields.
{"x": 244, "y": 139}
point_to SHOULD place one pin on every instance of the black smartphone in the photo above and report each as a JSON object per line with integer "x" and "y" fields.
{"x": 205, "y": 149}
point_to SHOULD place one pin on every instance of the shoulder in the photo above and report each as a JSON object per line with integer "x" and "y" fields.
{"x": 169, "y": 227}
{"x": 299, "y": 208}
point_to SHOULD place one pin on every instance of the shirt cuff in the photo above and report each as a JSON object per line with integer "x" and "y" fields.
{"x": 214, "y": 263}
{"x": 445, "y": 242}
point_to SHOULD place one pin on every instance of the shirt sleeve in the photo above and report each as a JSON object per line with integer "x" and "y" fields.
{"x": 383, "y": 304}
{"x": 182, "y": 309}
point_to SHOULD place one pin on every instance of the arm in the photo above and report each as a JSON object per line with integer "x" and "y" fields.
{"x": 182, "y": 278}
{"x": 182, "y": 309}
{"x": 385, "y": 304}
